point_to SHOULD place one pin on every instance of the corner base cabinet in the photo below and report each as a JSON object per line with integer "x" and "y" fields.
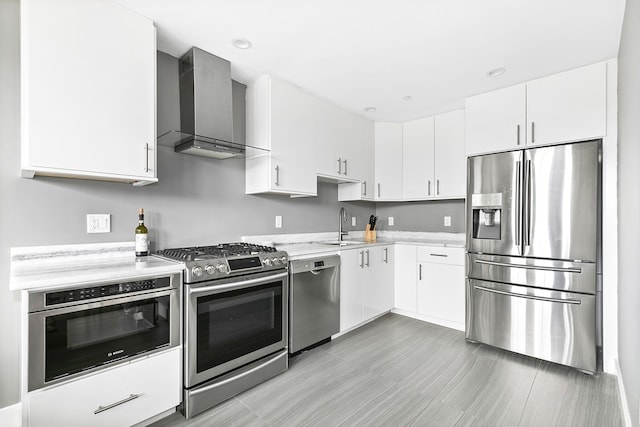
{"x": 87, "y": 99}
{"x": 121, "y": 396}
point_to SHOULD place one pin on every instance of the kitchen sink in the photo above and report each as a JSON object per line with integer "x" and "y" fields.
{"x": 342, "y": 243}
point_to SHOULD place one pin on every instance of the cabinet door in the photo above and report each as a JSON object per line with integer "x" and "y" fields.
{"x": 405, "y": 278}
{"x": 441, "y": 293}
{"x": 418, "y": 159}
{"x": 378, "y": 281}
{"x": 293, "y": 129}
{"x": 88, "y": 100}
{"x": 360, "y": 155}
{"x": 569, "y": 106}
{"x": 156, "y": 383}
{"x": 331, "y": 139}
{"x": 450, "y": 159}
{"x": 388, "y": 161}
{"x": 495, "y": 121}
{"x": 351, "y": 292}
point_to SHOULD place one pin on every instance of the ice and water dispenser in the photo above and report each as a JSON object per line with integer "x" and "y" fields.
{"x": 487, "y": 210}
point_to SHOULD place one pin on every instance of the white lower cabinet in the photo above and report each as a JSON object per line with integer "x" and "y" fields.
{"x": 122, "y": 396}
{"x": 405, "y": 278}
{"x": 440, "y": 293}
{"x": 366, "y": 284}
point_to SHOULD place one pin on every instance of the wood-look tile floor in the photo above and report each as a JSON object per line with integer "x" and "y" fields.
{"x": 398, "y": 371}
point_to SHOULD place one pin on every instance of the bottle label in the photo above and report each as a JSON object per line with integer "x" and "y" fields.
{"x": 142, "y": 244}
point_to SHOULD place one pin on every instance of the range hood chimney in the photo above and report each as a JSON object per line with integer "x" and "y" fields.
{"x": 206, "y": 109}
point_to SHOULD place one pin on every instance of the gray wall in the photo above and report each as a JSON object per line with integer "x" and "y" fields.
{"x": 422, "y": 216}
{"x": 629, "y": 205}
{"x": 197, "y": 201}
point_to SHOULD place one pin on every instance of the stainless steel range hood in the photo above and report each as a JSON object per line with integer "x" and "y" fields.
{"x": 206, "y": 109}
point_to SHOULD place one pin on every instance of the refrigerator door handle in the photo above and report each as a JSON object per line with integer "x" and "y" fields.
{"x": 518, "y": 201}
{"x": 526, "y": 215}
{"x": 558, "y": 300}
{"x": 530, "y": 267}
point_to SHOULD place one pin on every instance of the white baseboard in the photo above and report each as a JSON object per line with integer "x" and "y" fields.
{"x": 435, "y": 320}
{"x": 623, "y": 396}
{"x": 11, "y": 416}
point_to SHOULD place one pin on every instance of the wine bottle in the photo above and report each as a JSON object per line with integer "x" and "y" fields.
{"x": 142, "y": 236}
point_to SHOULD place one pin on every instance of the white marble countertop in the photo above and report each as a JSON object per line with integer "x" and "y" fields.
{"x": 304, "y": 245}
{"x": 43, "y": 267}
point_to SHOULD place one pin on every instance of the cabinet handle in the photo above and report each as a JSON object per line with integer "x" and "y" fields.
{"x": 428, "y": 187}
{"x": 364, "y": 188}
{"x": 339, "y": 165}
{"x": 518, "y": 134}
{"x": 437, "y": 187}
{"x": 533, "y": 132}
{"x": 146, "y": 151}
{"x": 367, "y": 258}
{"x": 345, "y": 166}
{"x": 440, "y": 255}
{"x": 277, "y": 183}
{"x": 113, "y": 405}
{"x": 419, "y": 271}
{"x": 378, "y": 189}
{"x": 361, "y": 259}
{"x": 386, "y": 255}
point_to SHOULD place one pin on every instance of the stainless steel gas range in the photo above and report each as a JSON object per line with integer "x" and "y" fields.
{"x": 235, "y": 320}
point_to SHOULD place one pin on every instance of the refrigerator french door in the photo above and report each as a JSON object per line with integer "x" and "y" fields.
{"x": 534, "y": 252}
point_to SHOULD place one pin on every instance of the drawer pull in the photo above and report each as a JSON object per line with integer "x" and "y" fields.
{"x": 440, "y": 255}
{"x": 113, "y": 405}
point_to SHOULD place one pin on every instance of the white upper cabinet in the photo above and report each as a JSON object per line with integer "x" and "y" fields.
{"x": 434, "y": 162}
{"x": 564, "y": 107}
{"x": 569, "y": 106}
{"x": 88, "y": 91}
{"x": 281, "y": 118}
{"x": 335, "y": 135}
{"x": 361, "y": 162}
{"x": 388, "y": 161}
{"x": 450, "y": 168}
{"x": 418, "y": 139}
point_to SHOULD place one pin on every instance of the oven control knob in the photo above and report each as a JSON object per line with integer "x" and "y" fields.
{"x": 210, "y": 269}
{"x": 276, "y": 261}
{"x": 222, "y": 268}
{"x": 197, "y": 271}
{"x": 283, "y": 260}
{"x": 267, "y": 261}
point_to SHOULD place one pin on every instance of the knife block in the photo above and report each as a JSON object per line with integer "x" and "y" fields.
{"x": 369, "y": 235}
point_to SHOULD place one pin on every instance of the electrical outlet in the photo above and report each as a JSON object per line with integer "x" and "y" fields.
{"x": 447, "y": 221}
{"x": 390, "y": 221}
{"x": 353, "y": 221}
{"x": 278, "y": 221}
{"x": 98, "y": 223}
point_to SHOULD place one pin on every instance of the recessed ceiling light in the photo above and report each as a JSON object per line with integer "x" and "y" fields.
{"x": 241, "y": 43}
{"x": 370, "y": 109}
{"x": 407, "y": 98}
{"x": 496, "y": 72}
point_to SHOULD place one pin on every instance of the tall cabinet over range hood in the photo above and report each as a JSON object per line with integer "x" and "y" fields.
{"x": 206, "y": 110}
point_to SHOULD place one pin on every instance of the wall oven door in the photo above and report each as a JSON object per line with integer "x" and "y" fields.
{"x": 232, "y": 322}
{"x": 78, "y": 338}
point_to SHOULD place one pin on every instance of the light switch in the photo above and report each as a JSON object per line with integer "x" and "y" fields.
{"x": 278, "y": 221}
{"x": 390, "y": 220}
{"x": 98, "y": 223}
{"x": 353, "y": 221}
{"x": 447, "y": 221}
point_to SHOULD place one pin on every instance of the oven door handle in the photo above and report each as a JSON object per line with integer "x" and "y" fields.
{"x": 235, "y": 285}
{"x": 104, "y": 303}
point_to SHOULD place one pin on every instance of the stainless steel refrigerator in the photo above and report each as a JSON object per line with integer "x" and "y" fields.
{"x": 534, "y": 258}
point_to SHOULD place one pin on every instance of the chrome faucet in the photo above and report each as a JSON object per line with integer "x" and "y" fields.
{"x": 343, "y": 217}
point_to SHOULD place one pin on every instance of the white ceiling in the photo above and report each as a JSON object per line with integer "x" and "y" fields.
{"x": 361, "y": 53}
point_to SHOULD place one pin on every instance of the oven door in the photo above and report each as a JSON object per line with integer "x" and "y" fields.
{"x": 232, "y": 322}
{"x": 71, "y": 341}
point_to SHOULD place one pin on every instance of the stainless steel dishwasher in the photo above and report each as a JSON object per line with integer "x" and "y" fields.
{"x": 314, "y": 301}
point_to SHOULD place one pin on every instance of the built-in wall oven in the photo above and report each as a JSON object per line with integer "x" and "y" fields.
{"x": 235, "y": 319}
{"x": 74, "y": 331}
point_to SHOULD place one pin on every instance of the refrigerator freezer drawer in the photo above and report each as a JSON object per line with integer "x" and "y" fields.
{"x": 550, "y": 274}
{"x": 556, "y": 326}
